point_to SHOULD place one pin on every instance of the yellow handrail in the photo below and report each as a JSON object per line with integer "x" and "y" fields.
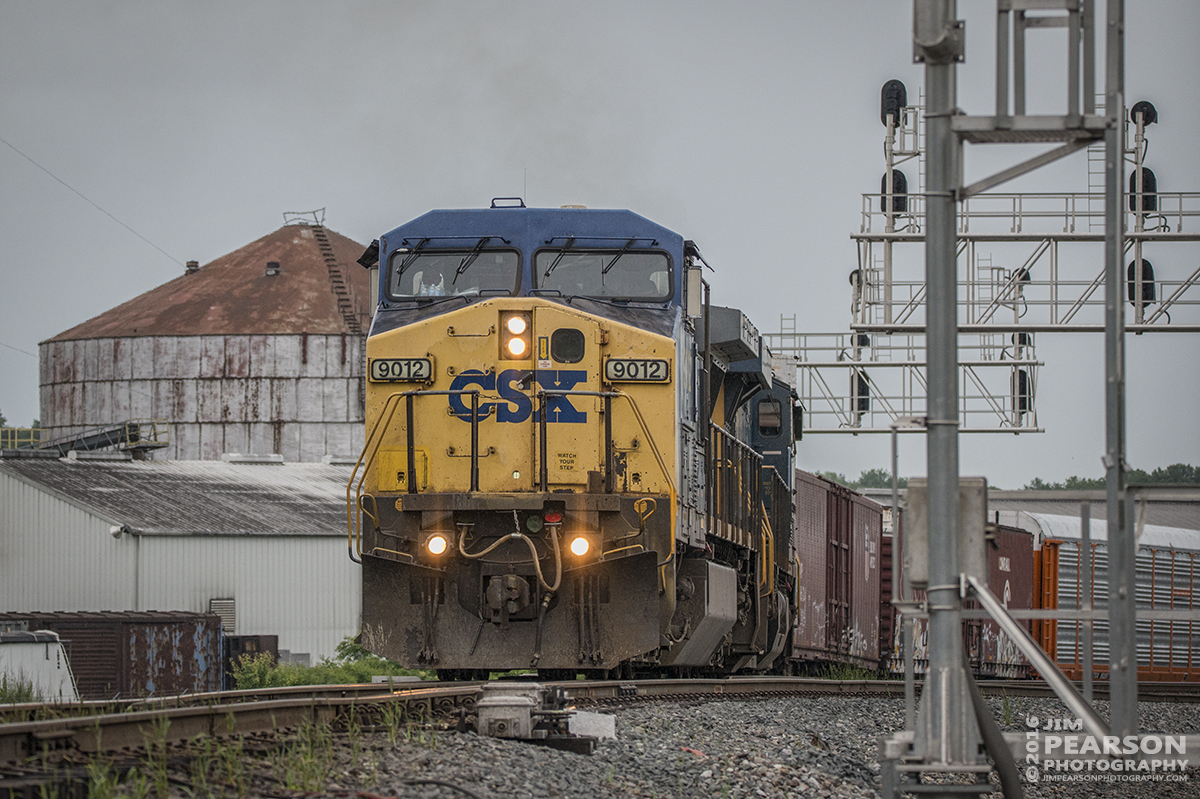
{"x": 768, "y": 554}
{"x": 21, "y": 437}
{"x": 604, "y": 555}
{"x": 353, "y": 504}
{"x": 637, "y": 412}
{"x": 371, "y": 447}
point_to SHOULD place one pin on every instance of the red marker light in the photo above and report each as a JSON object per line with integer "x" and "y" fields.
{"x": 553, "y": 517}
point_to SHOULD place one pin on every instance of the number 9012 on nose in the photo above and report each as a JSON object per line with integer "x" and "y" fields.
{"x": 637, "y": 370}
{"x": 401, "y": 370}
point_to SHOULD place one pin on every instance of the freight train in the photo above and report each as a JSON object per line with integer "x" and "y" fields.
{"x": 573, "y": 460}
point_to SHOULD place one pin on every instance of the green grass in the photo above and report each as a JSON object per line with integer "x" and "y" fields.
{"x": 15, "y": 690}
{"x": 844, "y": 671}
{"x": 352, "y": 664}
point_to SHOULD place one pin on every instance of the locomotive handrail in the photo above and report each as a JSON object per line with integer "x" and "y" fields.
{"x": 543, "y": 436}
{"x": 608, "y": 552}
{"x": 354, "y": 509}
{"x": 354, "y": 504}
{"x": 607, "y": 396}
{"x": 733, "y": 486}
{"x": 768, "y": 576}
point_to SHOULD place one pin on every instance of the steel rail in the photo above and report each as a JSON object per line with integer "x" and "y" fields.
{"x": 97, "y": 707}
{"x": 171, "y": 725}
{"x": 178, "y": 720}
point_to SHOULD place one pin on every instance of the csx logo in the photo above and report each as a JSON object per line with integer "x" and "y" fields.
{"x": 518, "y": 406}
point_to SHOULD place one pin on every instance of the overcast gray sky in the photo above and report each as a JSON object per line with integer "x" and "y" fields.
{"x": 752, "y": 128}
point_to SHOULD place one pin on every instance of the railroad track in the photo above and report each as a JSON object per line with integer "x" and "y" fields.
{"x": 38, "y": 711}
{"x": 134, "y": 725}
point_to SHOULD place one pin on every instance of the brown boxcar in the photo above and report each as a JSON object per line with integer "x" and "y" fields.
{"x": 127, "y": 654}
{"x": 887, "y": 614}
{"x": 837, "y": 547}
{"x": 1010, "y": 576}
{"x": 991, "y": 653}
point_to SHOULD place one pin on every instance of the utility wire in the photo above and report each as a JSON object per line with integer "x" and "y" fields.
{"x": 97, "y": 207}
{"x": 16, "y": 349}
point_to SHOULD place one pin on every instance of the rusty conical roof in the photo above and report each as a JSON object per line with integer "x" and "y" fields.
{"x": 234, "y": 295}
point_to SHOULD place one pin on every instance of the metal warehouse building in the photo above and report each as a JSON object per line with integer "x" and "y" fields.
{"x": 261, "y": 544}
{"x": 258, "y": 351}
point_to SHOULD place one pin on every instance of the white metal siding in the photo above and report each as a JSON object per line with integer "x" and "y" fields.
{"x": 55, "y": 556}
{"x": 305, "y": 590}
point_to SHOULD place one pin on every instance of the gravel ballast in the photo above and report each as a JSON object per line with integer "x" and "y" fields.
{"x": 796, "y": 747}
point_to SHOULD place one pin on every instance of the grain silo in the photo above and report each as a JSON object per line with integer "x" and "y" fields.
{"x": 259, "y": 351}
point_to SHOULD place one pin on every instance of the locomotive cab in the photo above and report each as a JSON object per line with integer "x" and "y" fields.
{"x": 539, "y": 454}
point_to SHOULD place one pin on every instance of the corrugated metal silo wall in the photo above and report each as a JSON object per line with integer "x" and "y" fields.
{"x": 808, "y": 641}
{"x": 56, "y": 556}
{"x": 299, "y": 396}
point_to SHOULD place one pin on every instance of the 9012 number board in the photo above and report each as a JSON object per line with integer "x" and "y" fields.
{"x": 637, "y": 370}
{"x": 401, "y": 370}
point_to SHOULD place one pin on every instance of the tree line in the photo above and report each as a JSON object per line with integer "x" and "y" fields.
{"x": 1175, "y": 474}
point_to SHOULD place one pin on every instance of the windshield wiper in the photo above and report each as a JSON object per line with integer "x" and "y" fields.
{"x": 554, "y": 264}
{"x": 408, "y": 259}
{"x": 469, "y": 259}
{"x": 617, "y": 257}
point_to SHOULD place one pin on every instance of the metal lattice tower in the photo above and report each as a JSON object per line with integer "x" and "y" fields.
{"x": 1030, "y": 264}
{"x": 911, "y": 319}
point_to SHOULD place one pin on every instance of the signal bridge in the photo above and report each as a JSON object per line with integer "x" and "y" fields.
{"x": 1029, "y": 263}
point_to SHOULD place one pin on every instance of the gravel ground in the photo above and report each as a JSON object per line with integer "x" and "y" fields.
{"x": 824, "y": 747}
{"x": 814, "y": 747}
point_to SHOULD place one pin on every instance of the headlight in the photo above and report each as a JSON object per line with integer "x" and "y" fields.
{"x": 516, "y": 335}
{"x": 579, "y": 546}
{"x": 436, "y": 544}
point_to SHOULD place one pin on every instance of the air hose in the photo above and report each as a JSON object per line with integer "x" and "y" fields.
{"x": 537, "y": 638}
{"x": 532, "y": 550}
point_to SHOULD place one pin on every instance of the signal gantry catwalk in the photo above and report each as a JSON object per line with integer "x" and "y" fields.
{"x": 1029, "y": 264}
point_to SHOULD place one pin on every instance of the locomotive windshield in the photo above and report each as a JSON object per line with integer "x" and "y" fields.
{"x": 611, "y": 274}
{"x": 451, "y": 273}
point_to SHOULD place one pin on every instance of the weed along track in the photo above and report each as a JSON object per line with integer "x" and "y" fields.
{"x": 322, "y": 740}
{"x": 347, "y": 740}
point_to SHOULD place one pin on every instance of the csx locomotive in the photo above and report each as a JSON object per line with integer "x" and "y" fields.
{"x": 573, "y": 462}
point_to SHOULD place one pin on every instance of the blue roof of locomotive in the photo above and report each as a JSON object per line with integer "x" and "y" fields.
{"x": 531, "y": 228}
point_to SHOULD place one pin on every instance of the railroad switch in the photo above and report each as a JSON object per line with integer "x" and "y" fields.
{"x": 537, "y": 714}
